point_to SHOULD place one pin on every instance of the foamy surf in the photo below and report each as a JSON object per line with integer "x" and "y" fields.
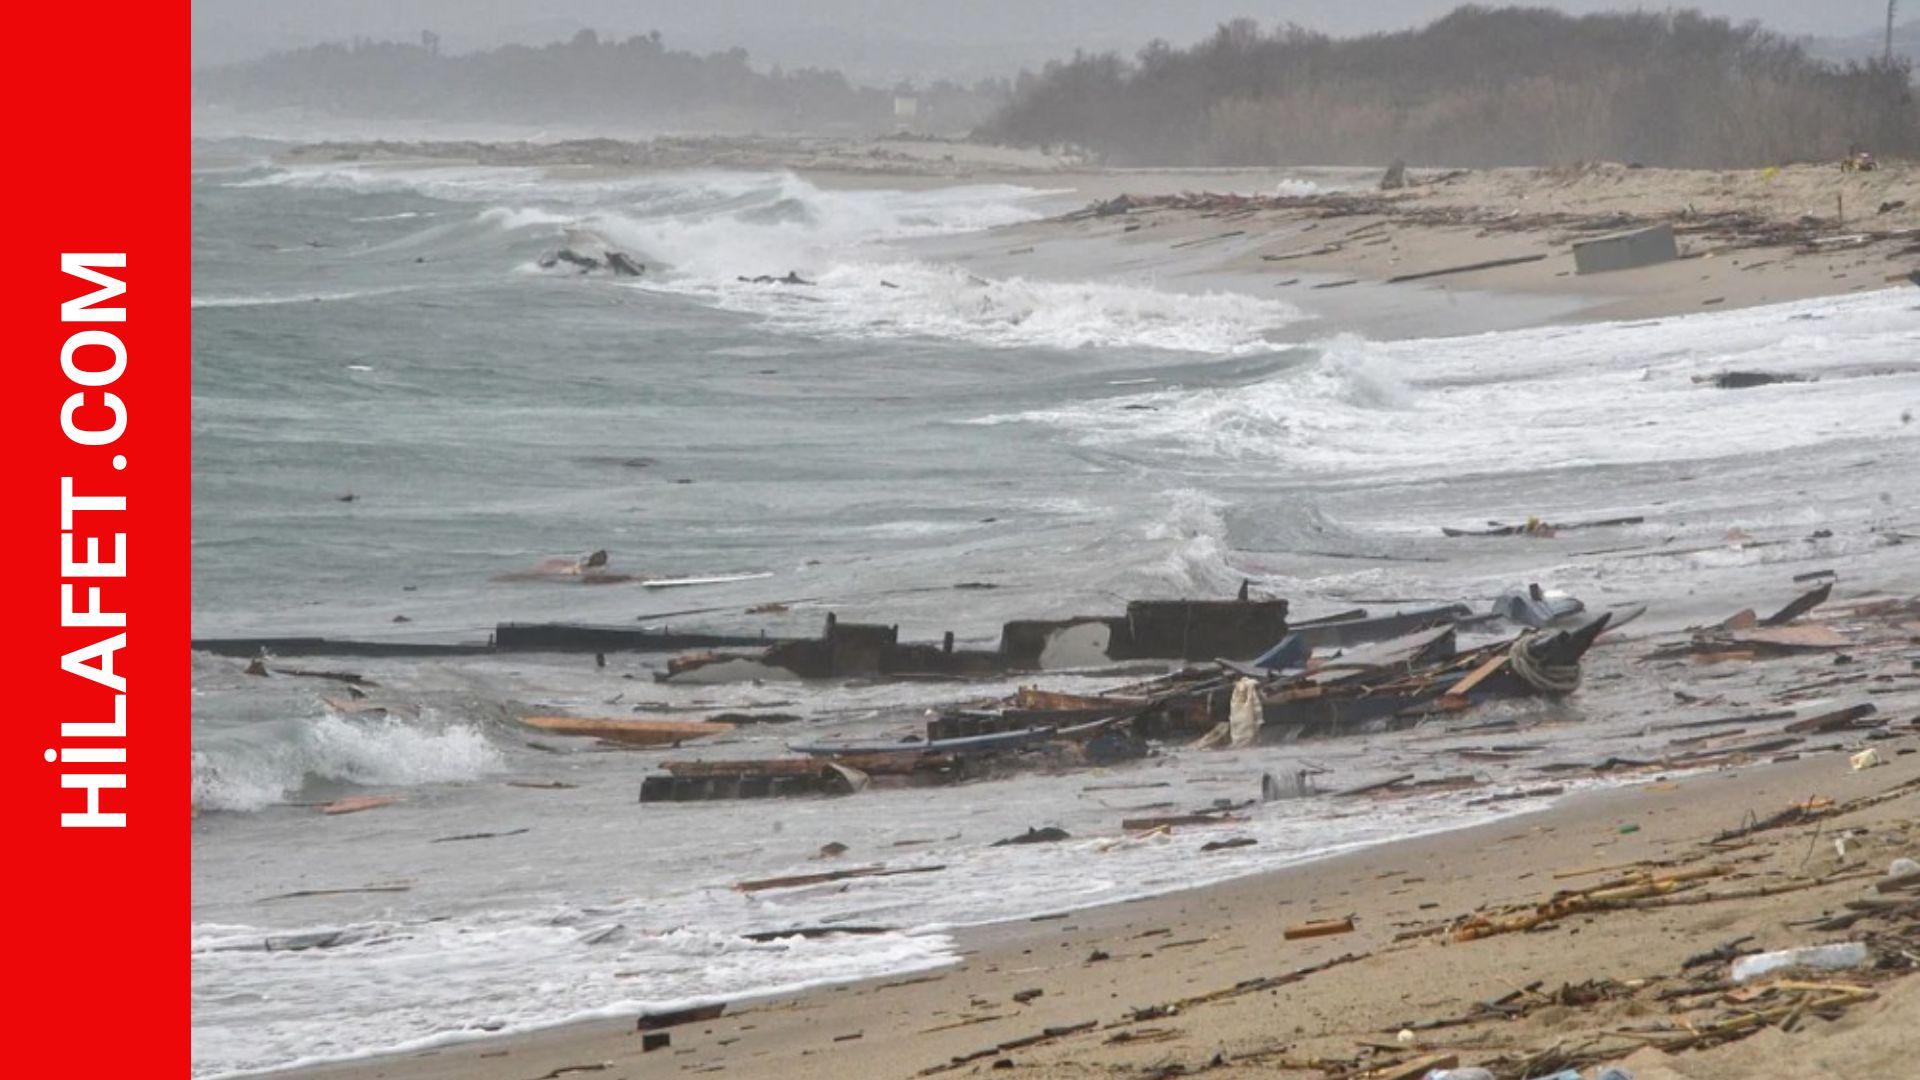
{"x": 393, "y": 984}
{"x": 1559, "y": 397}
{"x": 254, "y": 768}
{"x": 700, "y": 235}
{"x": 895, "y": 300}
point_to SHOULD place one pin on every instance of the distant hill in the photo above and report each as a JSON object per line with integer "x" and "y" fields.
{"x": 1479, "y": 87}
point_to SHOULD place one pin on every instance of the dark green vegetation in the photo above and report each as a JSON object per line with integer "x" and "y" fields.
{"x": 1480, "y": 87}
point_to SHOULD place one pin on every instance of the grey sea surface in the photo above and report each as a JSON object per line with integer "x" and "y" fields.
{"x": 395, "y": 406}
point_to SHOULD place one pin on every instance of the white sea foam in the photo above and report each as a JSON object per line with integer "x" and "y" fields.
{"x": 419, "y": 985}
{"x": 700, "y": 234}
{"x": 246, "y": 774}
{"x": 1194, "y": 533}
{"x": 1539, "y": 399}
{"x": 861, "y": 286}
{"x": 893, "y": 300}
{"x": 522, "y": 217}
{"x": 431, "y": 979}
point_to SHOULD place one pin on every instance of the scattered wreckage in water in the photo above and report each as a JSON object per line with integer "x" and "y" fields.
{"x": 619, "y": 263}
{"x": 1362, "y": 683}
{"x": 1150, "y": 630}
{"x": 590, "y": 252}
{"x": 1385, "y": 673}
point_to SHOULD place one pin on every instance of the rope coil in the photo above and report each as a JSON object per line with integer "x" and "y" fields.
{"x": 1545, "y": 678}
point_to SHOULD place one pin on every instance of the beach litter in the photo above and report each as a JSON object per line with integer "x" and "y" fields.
{"x": 1342, "y": 675}
{"x": 1836, "y": 957}
{"x": 1321, "y": 928}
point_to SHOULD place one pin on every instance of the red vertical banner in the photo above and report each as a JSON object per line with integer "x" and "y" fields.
{"x": 97, "y": 413}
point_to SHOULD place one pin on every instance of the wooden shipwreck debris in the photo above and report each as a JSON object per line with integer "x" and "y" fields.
{"x": 1172, "y": 821}
{"x": 773, "y": 778}
{"x": 1320, "y": 928}
{"x": 692, "y": 1014}
{"x": 630, "y": 732}
{"x": 798, "y": 880}
{"x": 1150, "y": 630}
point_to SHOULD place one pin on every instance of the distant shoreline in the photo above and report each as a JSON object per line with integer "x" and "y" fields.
{"x": 1746, "y": 238}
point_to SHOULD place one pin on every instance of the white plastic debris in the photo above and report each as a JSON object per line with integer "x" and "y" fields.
{"x": 1866, "y": 759}
{"x": 1245, "y": 713}
{"x": 1835, "y": 957}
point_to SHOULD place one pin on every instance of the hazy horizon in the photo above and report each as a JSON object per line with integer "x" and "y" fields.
{"x": 884, "y": 41}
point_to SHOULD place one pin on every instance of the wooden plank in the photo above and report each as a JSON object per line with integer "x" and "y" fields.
{"x": 358, "y": 803}
{"x": 1490, "y": 264}
{"x": 1378, "y": 785}
{"x": 1800, "y": 606}
{"x": 798, "y": 880}
{"x": 1837, "y": 720}
{"x": 1318, "y": 928}
{"x": 1032, "y": 697}
{"x": 1814, "y": 636}
{"x": 1147, "y": 823}
{"x": 673, "y": 1018}
{"x": 878, "y": 764}
{"x": 1414, "y": 1069}
{"x": 1479, "y": 675}
{"x": 630, "y": 731}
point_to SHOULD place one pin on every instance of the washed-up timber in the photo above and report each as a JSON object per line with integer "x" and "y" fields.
{"x": 626, "y": 731}
{"x": 1149, "y": 630}
{"x": 1378, "y": 686}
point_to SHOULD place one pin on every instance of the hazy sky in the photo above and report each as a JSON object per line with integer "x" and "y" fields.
{"x": 885, "y": 40}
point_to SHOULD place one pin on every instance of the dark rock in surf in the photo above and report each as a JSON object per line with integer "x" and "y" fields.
{"x": 1048, "y": 835}
{"x": 586, "y": 263}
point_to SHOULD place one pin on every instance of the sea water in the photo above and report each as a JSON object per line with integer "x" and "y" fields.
{"x": 395, "y": 405}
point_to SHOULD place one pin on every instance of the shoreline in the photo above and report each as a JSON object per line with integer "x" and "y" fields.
{"x": 1477, "y": 251}
{"x": 1452, "y": 252}
{"x": 1220, "y": 934}
{"x": 1194, "y": 942}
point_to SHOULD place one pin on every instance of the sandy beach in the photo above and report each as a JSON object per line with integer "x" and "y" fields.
{"x": 1149, "y": 988}
{"x": 1206, "y": 981}
{"x": 1395, "y": 262}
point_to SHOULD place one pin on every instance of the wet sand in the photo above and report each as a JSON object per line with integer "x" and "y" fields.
{"x": 1094, "y": 969}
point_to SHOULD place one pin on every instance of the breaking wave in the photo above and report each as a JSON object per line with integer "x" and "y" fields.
{"x": 700, "y": 234}
{"x": 251, "y": 768}
{"x": 917, "y": 299}
{"x": 1194, "y": 535}
{"x": 1546, "y": 398}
